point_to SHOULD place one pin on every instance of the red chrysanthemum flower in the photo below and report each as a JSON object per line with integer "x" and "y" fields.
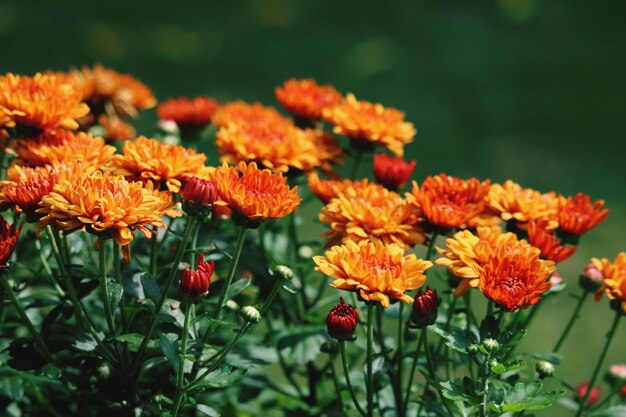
{"x": 543, "y": 239}
{"x": 189, "y": 114}
{"x": 195, "y": 283}
{"x": 577, "y": 215}
{"x": 424, "y": 308}
{"x": 392, "y": 173}
{"x": 342, "y": 320}
{"x": 306, "y": 99}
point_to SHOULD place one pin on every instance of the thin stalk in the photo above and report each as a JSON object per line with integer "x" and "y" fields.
{"x": 605, "y": 348}
{"x": 104, "y": 284}
{"x": 180, "y": 379}
{"x": 241, "y": 237}
{"x": 336, "y": 383}
{"x": 484, "y": 402}
{"x": 571, "y": 321}
{"x": 295, "y": 244}
{"x": 346, "y": 372}
{"x": 451, "y": 308}
{"x": 370, "y": 358}
{"x": 194, "y": 243}
{"x": 433, "y": 375}
{"x": 357, "y": 161}
{"x": 400, "y": 373}
{"x": 154, "y": 252}
{"x": 168, "y": 285}
{"x": 431, "y": 246}
{"x": 420, "y": 342}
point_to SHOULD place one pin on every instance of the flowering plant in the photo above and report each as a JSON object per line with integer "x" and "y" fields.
{"x": 220, "y": 305}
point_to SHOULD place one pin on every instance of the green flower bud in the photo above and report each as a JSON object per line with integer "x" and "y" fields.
{"x": 283, "y": 272}
{"x": 250, "y": 314}
{"x": 491, "y": 345}
{"x": 544, "y": 369}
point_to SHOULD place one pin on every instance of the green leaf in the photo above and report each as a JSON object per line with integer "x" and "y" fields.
{"x": 12, "y": 387}
{"x": 461, "y": 395}
{"x": 303, "y": 342}
{"x": 455, "y": 339}
{"x": 222, "y": 377}
{"x": 116, "y": 291}
{"x": 207, "y": 411}
{"x": 85, "y": 342}
{"x": 619, "y": 411}
{"x": 237, "y": 287}
{"x": 169, "y": 350}
{"x": 528, "y": 397}
{"x": 513, "y": 365}
{"x": 133, "y": 339}
{"x": 51, "y": 371}
{"x": 151, "y": 288}
{"x": 212, "y": 322}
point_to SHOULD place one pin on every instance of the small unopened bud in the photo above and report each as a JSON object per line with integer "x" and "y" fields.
{"x": 424, "y": 308}
{"x": 195, "y": 283}
{"x": 591, "y": 278}
{"x": 491, "y": 345}
{"x": 545, "y": 369}
{"x": 473, "y": 348}
{"x": 556, "y": 278}
{"x": 493, "y": 364}
{"x": 198, "y": 197}
{"x": 283, "y": 272}
{"x": 342, "y": 321}
{"x": 617, "y": 373}
{"x": 250, "y": 314}
{"x": 232, "y": 305}
{"x": 392, "y": 172}
{"x": 594, "y": 395}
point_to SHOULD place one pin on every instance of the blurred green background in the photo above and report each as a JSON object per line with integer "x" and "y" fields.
{"x": 531, "y": 90}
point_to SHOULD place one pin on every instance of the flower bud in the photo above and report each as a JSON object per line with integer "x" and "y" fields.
{"x": 283, "y": 272}
{"x": 195, "y": 283}
{"x": 342, "y": 321}
{"x": 8, "y": 240}
{"x": 591, "y": 278}
{"x": 250, "y": 314}
{"x": 544, "y": 369}
{"x": 617, "y": 373}
{"x": 198, "y": 197}
{"x": 493, "y": 364}
{"x": 490, "y": 345}
{"x": 594, "y": 395}
{"x": 392, "y": 172}
{"x": 424, "y": 308}
{"x": 622, "y": 392}
{"x": 472, "y": 349}
{"x": 232, "y": 305}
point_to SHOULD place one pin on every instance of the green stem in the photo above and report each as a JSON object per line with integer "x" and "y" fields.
{"x": 336, "y": 383}
{"x": 181, "y": 365}
{"x": 412, "y": 373}
{"x": 370, "y": 358}
{"x": 241, "y": 237}
{"x": 104, "y": 284}
{"x": 431, "y": 246}
{"x": 400, "y": 373}
{"x": 605, "y": 348}
{"x": 357, "y": 161}
{"x": 571, "y": 321}
{"x": 451, "y": 308}
{"x": 295, "y": 244}
{"x": 433, "y": 374}
{"x": 346, "y": 372}
{"x": 194, "y": 243}
{"x": 154, "y": 252}
{"x": 168, "y": 285}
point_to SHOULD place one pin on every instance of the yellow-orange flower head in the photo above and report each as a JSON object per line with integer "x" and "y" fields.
{"x": 103, "y": 204}
{"x": 614, "y": 273}
{"x": 279, "y": 146}
{"x": 326, "y": 190}
{"x": 240, "y": 113}
{"x": 371, "y": 213}
{"x": 189, "y": 114}
{"x": 306, "y": 99}
{"x": 378, "y": 272}
{"x": 39, "y": 103}
{"x": 448, "y": 202}
{"x": 513, "y": 202}
{"x": 62, "y": 146}
{"x": 115, "y": 128}
{"x": 515, "y": 277}
{"x": 150, "y": 160}
{"x": 255, "y": 194}
{"x": 578, "y": 215}
{"x": 25, "y": 188}
{"x": 372, "y": 123}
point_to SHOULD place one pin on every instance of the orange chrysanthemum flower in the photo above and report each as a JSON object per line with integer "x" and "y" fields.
{"x": 547, "y": 243}
{"x": 25, "y": 188}
{"x": 306, "y": 99}
{"x": 8, "y": 241}
{"x": 108, "y": 91}
{"x": 255, "y": 194}
{"x": 614, "y": 284}
{"x": 150, "y": 160}
{"x": 277, "y": 146}
{"x": 448, "y": 202}
{"x": 467, "y": 253}
{"x": 577, "y": 215}
{"x": 523, "y": 204}
{"x": 189, "y": 114}
{"x": 115, "y": 128}
{"x": 241, "y": 113}
{"x": 371, "y": 213}
{"x": 378, "y": 272}
{"x": 39, "y": 103}
{"x": 326, "y": 190}
{"x": 63, "y": 146}
{"x": 372, "y": 123}
{"x": 103, "y": 204}
{"x": 515, "y": 277}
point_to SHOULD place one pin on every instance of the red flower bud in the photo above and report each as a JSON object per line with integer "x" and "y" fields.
{"x": 392, "y": 172}
{"x": 198, "y": 197}
{"x": 424, "y": 308}
{"x": 8, "y": 240}
{"x": 342, "y": 320}
{"x": 591, "y": 278}
{"x": 195, "y": 283}
{"x": 594, "y": 395}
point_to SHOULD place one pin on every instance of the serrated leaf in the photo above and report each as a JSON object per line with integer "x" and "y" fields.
{"x": 454, "y": 390}
{"x": 151, "y": 288}
{"x": 619, "y": 411}
{"x": 528, "y": 397}
{"x": 455, "y": 339}
{"x": 169, "y": 350}
{"x": 134, "y": 339}
{"x": 222, "y": 377}
{"x": 116, "y": 291}
{"x": 513, "y": 365}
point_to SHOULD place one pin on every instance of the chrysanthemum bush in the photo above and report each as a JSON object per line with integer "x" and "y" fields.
{"x": 141, "y": 277}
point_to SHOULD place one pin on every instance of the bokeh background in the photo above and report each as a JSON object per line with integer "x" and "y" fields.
{"x": 532, "y": 90}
